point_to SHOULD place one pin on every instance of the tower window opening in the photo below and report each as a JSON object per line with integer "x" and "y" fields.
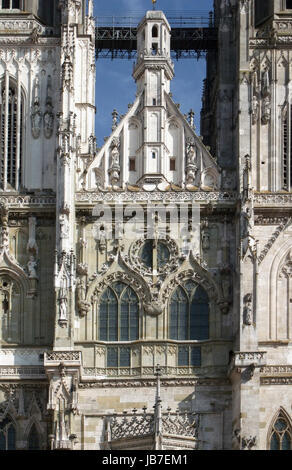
{"x": 288, "y": 4}
{"x": 154, "y": 48}
{"x": 154, "y": 101}
{"x": 11, "y": 135}
{"x": 155, "y": 32}
{"x": 10, "y": 4}
{"x": 153, "y": 155}
{"x": 132, "y": 164}
{"x": 172, "y": 164}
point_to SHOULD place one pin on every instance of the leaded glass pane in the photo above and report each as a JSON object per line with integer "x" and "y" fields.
{"x": 179, "y": 315}
{"x": 195, "y": 357}
{"x": 163, "y": 254}
{"x": 199, "y": 321}
{"x": 118, "y": 287}
{"x": 275, "y": 442}
{"x": 125, "y": 317}
{"x": 108, "y": 318}
{"x": 280, "y": 425}
{"x": 286, "y": 441}
{"x": 2, "y": 441}
{"x": 125, "y": 357}
{"x": 11, "y": 437}
{"x": 33, "y": 440}
{"x": 146, "y": 253}
{"x": 189, "y": 287}
{"x": 112, "y": 357}
{"x": 183, "y": 356}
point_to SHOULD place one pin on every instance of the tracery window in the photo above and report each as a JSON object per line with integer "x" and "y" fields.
{"x": 10, "y": 309}
{"x": 149, "y": 256}
{"x": 189, "y": 313}
{"x": 119, "y": 314}
{"x": 11, "y": 134}
{"x": 7, "y": 435}
{"x": 281, "y": 436}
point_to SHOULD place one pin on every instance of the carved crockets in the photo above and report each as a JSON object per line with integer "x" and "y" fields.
{"x": 38, "y": 119}
{"x": 114, "y": 169}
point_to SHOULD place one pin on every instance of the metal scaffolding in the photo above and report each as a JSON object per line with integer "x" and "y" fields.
{"x": 191, "y": 36}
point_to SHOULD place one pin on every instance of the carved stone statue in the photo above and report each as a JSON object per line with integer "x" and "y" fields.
{"x": 63, "y": 301}
{"x": 31, "y": 268}
{"x": 191, "y": 159}
{"x": 114, "y": 170}
{"x": 247, "y": 310}
{"x": 266, "y": 110}
{"x": 82, "y": 304}
{"x": 64, "y": 226}
{"x": 49, "y": 115}
{"x": 36, "y": 115}
{"x": 254, "y": 109}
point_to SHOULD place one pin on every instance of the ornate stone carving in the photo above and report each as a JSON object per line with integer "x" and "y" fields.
{"x": 286, "y": 267}
{"x": 248, "y": 443}
{"x": 114, "y": 169}
{"x": 247, "y": 310}
{"x": 36, "y": 115}
{"x": 82, "y": 305}
{"x": 49, "y": 115}
{"x": 191, "y": 161}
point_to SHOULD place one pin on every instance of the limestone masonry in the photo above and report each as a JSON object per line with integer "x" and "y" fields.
{"x": 146, "y": 285}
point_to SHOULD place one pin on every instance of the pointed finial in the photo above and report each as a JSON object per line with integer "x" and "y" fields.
{"x": 153, "y": 3}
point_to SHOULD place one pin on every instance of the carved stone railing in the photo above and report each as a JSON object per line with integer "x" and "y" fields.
{"x": 27, "y": 201}
{"x": 68, "y": 357}
{"x": 139, "y": 359}
{"x": 132, "y": 425}
{"x": 22, "y": 372}
{"x": 272, "y": 199}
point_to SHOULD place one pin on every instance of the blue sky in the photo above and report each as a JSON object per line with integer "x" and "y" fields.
{"x": 115, "y": 87}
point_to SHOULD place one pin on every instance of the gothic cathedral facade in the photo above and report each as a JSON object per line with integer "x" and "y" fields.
{"x": 145, "y": 285}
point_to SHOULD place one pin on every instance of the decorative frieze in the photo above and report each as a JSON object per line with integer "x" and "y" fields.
{"x": 141, "y": 196}
{"x": 134, "y": 383}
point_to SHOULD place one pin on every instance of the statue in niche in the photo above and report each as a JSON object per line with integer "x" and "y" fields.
{"x": 36, "y": 115}
{"x": 247, "y": 311}
{"x": 64, "y": 226}
{"x": 254, "y": 109}
{"x": 266, "y": 112}
{"x": 83, "y": 306}
{"x": 114, "y": 170}
{"x": 49, "y": 115}
{"x": 245, "y": 223}
{"x": 191, "y": 167}
{"x": 63, "y": 301}
{"x": 205, "y": 236}
{"x": 31, "y": 268}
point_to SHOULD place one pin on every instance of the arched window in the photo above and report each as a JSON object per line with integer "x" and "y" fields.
{"x": 10, "y": 310}
{"x": 155, "y": 32}
{"x": 281, "y": 436}
{"x": 119, "y": 314}
{"x": 11, "y": 135}
{"x": 7, "y": 435}
{"x": 189, "y": 313}
{"x": 33, "y": 439}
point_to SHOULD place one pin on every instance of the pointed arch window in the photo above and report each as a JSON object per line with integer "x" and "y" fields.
{"x": 189, "y": 313}
{"x": 7, "y": 435}
{"x": 10, "y": 310}
{"x": 11, "y": 134}
{"x": 119, "y": 314}
{"x": 281, "y": 435}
